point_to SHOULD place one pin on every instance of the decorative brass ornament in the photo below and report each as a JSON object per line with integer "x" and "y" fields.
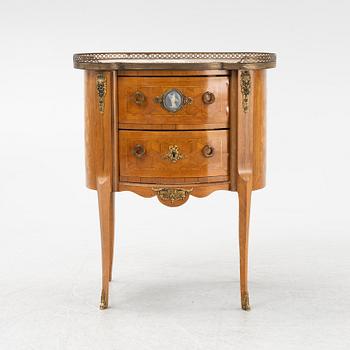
{"x": 101, "y": 87}
{"x": 245, "y": 301}
{"x": 172, "y": 194}
{"x": 173, "y": 154}
{"x": 245, "y": 89}
{"x": 173, "y": 100}
{"x": 139, "y": 98}
{"x": 104, "y": 300}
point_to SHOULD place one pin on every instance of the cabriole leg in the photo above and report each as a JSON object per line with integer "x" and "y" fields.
{"x": 106, "y": 210}
{"x": 244, "y": 188}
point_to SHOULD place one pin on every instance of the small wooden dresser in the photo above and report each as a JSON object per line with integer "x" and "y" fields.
{"x": 174, "y": 125}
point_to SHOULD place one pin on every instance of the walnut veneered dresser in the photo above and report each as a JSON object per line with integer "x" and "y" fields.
{"x": 174, "y": 125}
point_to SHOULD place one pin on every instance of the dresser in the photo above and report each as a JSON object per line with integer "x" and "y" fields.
{"x": 174, "y": 125}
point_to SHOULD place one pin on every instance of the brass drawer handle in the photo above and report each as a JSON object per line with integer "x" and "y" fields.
{"x": 138, "y": 151}
{"x": 208, "y": 151}
{"x": 208, "y": 98}
{"x": 139, "y": 98}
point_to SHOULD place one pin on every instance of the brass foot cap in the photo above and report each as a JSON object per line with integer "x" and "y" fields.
{"x": 104, "y": 301}
{"x": 245, "y": 301}
{"x": 246, "y": 307}
{"x": 103, "y": 306}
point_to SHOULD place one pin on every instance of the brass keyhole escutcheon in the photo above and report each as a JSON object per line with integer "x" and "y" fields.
{"x": 173, "y": 154}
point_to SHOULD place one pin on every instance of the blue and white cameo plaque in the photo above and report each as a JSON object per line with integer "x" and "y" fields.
{"x": 173, "y": 100}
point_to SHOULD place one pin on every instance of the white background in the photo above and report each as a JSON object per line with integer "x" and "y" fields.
{"x": 176, "y": 281}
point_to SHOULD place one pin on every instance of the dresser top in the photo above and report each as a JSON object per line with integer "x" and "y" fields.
{"x": 174, "y": 60}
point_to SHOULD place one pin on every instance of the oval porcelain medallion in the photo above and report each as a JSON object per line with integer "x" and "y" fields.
{"x": 173, "y": 100}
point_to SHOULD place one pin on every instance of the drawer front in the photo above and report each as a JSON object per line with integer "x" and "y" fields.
{"x": 149, "y": 102}
{"x": 173, "y": 155}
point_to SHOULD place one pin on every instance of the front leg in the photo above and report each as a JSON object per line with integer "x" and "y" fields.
{"x": 244, "y": 172}
{"x": 244, "y": 188}
{"x": 106, "y": 210}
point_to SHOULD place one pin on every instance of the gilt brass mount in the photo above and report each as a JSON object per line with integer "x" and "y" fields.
{"x": 172, "y": 194}
{"x": 101, "y": 87}
{"x": 245, "y": 89}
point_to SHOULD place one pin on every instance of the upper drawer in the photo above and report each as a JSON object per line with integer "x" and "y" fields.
{"x": 173, "y": 102}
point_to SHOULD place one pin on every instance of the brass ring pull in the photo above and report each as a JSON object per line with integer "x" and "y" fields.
{"x": 138, "y": 151}
{"x": 208, "y": 98}
{"x": 139, "y": 98}
{"x": 208, "y": 151}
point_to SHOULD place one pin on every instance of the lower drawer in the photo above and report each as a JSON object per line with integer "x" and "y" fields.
{"x": 198, "y": 156}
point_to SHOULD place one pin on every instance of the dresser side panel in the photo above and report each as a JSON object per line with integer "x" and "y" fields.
{"x": 259, "y": 130}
